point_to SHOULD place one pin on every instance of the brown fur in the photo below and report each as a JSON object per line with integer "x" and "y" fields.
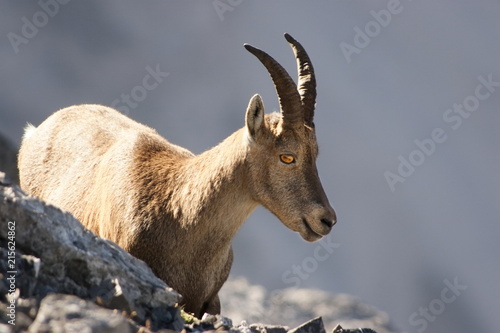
{"x": 176, "y": 211}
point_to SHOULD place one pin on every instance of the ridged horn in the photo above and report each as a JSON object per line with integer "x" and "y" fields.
{"x": 306, "y": 84}
{"x": 289, "y": 98}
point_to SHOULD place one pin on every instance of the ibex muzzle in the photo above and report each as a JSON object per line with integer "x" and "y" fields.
{"x": 285, "y": 178}
{"x": 175, "y": 210}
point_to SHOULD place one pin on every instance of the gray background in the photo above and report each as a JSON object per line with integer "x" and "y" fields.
{"x": 394, "y": 249}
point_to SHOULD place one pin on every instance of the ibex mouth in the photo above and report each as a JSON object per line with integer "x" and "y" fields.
{"x": 309, "y": 234}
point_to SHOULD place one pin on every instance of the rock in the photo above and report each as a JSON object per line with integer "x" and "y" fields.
{"x": 25, "y": 308}
{"x": 339, "y": 329}
{"x": 312, "y": 326}
{"x": 211, "y": 322}
{"x": 67, "y": 313}
{"x": 261, "y": 328}
{"x": 54, "y": 253}
{"x": 222, "y": 323}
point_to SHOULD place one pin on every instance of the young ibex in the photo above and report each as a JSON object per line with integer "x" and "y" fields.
{"x": 176, "y": 211}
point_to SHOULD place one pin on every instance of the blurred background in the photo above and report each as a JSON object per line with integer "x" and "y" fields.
{"x": 407, "y": 119}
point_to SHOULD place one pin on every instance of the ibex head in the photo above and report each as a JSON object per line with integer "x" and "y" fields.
{"x": 283, "y": 150}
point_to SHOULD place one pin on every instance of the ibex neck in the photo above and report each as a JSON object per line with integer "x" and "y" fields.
{"x": 215, "y": 191}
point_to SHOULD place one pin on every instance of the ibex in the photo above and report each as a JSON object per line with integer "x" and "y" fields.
{"x": 176, "y": 211}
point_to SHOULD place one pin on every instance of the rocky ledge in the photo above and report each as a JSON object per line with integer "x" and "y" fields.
{"x": 56, "y": 276}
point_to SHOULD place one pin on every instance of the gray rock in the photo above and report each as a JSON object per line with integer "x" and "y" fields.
{"x": 56, "y": 254}
{"x": 26, "y": 268}
{"x": 67, "y": 313}
{"x": 211, "y": 323}
{"x": 339, "y": 329}
{"x": 222, "y": 323}
{"x": 262, "y": 328}
{"x": 312, "y": 326}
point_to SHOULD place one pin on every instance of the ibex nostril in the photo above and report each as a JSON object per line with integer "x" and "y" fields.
{"x": 327, "y": 222}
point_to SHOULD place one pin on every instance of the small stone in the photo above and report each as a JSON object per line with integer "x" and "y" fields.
{"x": 222, "y": 323}
{"x": 262, "y": 328}
{"x": 339, "y": 329}
{"x": 243, "y": 328}
{"x": 208, "y": 319}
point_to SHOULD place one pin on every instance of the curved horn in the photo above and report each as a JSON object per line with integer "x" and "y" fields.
{"x": 289, "y": 98}
{"x": 306, "y": 84}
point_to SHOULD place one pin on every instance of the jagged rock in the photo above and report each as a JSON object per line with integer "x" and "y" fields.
{"x": 312, "y": 326}
{"x": 54, "y": 253}
{"x": 67, "y": 313}
{"x": 339, "y": 329}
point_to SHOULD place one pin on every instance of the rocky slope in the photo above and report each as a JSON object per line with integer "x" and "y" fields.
{"x": 56, "y": 276}
{"x": 46, "y": 251}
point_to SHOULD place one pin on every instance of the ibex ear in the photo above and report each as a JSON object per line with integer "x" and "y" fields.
{"x": 255, "y": 115}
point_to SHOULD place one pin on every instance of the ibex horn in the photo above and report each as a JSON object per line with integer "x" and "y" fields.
{"x": 306, "y": 84}
{"x": 289, "y": 98}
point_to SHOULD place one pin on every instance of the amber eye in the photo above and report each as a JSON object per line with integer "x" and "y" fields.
{"x": 287, "y": 158}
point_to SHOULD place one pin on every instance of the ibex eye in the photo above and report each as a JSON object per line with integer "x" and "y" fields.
{"x": 287, "y": 158}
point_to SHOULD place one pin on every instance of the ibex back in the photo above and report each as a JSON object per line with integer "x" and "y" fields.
{"x": 176, "y": 211}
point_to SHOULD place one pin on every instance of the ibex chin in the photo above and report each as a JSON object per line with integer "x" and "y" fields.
{"x": 175, "y": 210}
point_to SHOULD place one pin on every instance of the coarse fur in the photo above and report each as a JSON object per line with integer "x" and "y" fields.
{"x": 175, "y": 210}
